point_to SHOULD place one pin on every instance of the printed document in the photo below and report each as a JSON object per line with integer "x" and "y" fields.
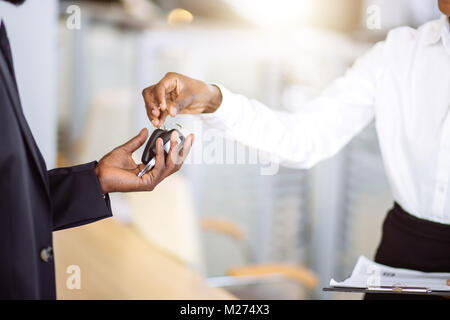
{"x": 368, "y": 274}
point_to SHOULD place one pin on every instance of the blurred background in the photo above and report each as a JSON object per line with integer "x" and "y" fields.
{"x": 255, "y": 236}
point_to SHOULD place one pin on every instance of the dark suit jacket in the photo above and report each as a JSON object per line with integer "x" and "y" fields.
{"x": 34, "y": 202}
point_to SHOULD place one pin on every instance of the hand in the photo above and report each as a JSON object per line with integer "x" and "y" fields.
{"x": 176, "y": 93}
{"x": 117, "y": 171}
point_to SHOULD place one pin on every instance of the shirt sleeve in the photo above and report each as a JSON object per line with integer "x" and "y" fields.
{"x": 316, "y": 132}
{"x": 76, "y": 196}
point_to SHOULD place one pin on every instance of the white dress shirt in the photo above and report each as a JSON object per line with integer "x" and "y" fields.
{"x": 403, "y": 83}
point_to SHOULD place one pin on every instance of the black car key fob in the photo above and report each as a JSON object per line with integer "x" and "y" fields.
{"x": 149, "y": 154}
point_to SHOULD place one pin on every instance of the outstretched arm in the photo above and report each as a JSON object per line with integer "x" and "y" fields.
{"x": 320, "y": 129}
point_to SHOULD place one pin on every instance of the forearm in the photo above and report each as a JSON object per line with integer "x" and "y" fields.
{"x": 255, "y": 125}
{"x": 297, "y": 140}
{"x": 319, "y": 129}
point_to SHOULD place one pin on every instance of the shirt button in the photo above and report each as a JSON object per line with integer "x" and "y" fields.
{"x": 47, "y": 254}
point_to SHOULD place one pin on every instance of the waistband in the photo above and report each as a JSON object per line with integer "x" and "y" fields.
{"x": 420, "y": 227}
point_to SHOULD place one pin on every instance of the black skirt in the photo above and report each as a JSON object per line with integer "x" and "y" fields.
{"x": 412, "y": 243}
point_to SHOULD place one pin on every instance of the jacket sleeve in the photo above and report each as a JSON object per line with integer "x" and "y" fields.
{"x": 76, "y": 196}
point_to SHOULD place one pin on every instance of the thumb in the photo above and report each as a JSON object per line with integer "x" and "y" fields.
{"x": 134, "y": 144}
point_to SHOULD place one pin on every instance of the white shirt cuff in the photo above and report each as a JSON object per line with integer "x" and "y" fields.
{"x": 228, "y": 112}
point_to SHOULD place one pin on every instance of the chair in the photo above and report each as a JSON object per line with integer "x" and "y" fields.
{"x": 171, "y": 223}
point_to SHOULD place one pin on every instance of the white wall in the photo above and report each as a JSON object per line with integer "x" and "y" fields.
{"x": 32, "y": 30}
{"x": 404, "y": 12}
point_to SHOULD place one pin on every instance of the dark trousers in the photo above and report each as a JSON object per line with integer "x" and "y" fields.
{"x": 412, "y": 243}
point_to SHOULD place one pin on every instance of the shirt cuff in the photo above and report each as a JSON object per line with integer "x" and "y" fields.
{"x": 228, "y": 112}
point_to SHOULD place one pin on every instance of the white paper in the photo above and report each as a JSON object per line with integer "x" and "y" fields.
{"x": 371, "y": 274}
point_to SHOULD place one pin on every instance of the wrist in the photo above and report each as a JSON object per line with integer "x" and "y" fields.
{"x": 214, "y": 99}
{"x": 101, "y": 181}
{"x": 97, "y": 171}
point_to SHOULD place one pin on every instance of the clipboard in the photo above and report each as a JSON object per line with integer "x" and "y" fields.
{"x": 387, "y": 289}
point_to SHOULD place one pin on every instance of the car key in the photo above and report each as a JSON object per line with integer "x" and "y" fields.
{"x": 149, "y": 154}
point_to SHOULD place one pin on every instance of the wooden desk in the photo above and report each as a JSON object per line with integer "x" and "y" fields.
{"x": 116, "y": 263}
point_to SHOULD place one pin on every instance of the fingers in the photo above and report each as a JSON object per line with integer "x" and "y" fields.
{"x": 176, "y": 156}
{"x": 161, "y": 97}
{"x": 158, "y": 121}
{"x": 172, "y": 156}
{"x": 165, "y": 167}
{"x": 153, "y": 177}
{"x": 134, "y": 144}
{"x": 169, "y": 86}
{"x": 162, "y": 118}
{"x": 160, "y": 160}
{"x": 159, "y": 107}
{"x": 188, "y": 142}
{"x": 150, "y": 104}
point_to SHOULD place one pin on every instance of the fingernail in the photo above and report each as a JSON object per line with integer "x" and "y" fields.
{"x": 173, "y": 111}
{"x": 155, "y": 122}
{"x": 155, "y": 112}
